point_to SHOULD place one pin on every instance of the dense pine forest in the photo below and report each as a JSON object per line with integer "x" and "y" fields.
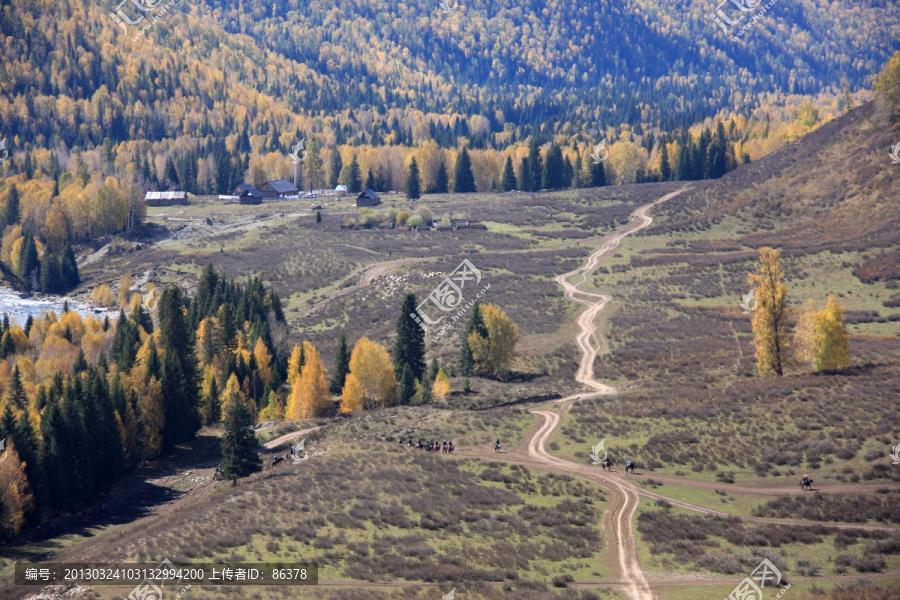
{"x": 87, "y": 401}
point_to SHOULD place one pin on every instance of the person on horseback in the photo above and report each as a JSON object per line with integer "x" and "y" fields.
{"x": 497, "y": 446}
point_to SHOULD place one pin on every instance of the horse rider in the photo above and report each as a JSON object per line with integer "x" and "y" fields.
{"x": 497, "y": 446}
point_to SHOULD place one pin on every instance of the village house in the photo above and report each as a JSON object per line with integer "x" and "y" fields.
{"x": 248, "y": 195}
{"x": 368, "y": 198}
{"x": 279, "y": 188}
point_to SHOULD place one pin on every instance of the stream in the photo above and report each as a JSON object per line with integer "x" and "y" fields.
{"x": 19, "y": 306}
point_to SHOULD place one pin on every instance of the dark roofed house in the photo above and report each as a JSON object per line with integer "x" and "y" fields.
{"x": 250, "y": 195}
{"x": 165, "y": 198}
{"x": 242, "y": 188}
{"x": 368, "y": 198}
{"x": 278, "y": 188}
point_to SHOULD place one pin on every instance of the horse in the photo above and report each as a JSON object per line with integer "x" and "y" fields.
{"x": 630, "y": 465}
{"x": 607, "y": 465}
{"x": 497, "y": 447}
{"x": 276, "y": 460}
{"x": 806, "y": 484}
{"x": 450, "y": 448}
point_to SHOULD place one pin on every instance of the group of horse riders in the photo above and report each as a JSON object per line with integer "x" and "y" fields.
{"x": 444, "y": 447}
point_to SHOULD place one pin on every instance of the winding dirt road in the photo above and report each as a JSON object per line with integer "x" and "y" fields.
{"x": 587, "y": 339}
{"x": 623, "y": 503}
{"x": 624, "y": 496}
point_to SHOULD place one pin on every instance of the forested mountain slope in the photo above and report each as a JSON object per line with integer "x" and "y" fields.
{"x": 72, "y": 77}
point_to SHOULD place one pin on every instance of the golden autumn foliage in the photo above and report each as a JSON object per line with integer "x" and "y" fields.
{"x": 441, "y": 388}
{"x": 493, "y": 355}
{"x": 830, "y": 343}
{"x": 273, "y": 410}
{"x": 233, "y": 393}
{"x": 804, "y": 334}
{"x": 770, "y": 320}
{"x": 101, "y": 295}
{"x": 352, "y": 396}
{"x": 295, "y": 363}
{"x": 372, "y": 369}
{"x": 309, "y": 391}
{"x": 263, "y": 361}
{"x": 16, "y": 499}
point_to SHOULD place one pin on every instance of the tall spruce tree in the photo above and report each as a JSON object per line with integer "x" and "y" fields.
{"x": 475, "y": 323}
{"x": 409, "y": 348}
{"x": 51, "y": 278}
{"x": 413, "y": 184}
{"x": 12, "y": 205}
{"x": 29, "y": 263}
{"x": 407, "y": 385}
{"x": 354, "y": 180}
{"x": 463, "y": 180}
{"x": 239, "y": 443}
{"x": 442, "y": 180}
{"x": 126, "y": 342}
{"x": 57, "y": 460}
{"x": 665, "y": 167}
{"x": 552, "y": 175}
{"x": 335, "y": 164}
{"x": 69, "y": 267}
{"x": 211, "y": 406}
{"x": 15, "y": 392}
{"x": 179, "y": 372}
{"x": 508, "y": 183}
{"x": 341, "y": 367}
{"x": 536, "y": 164}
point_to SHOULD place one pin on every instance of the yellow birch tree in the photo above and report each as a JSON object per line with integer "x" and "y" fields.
{"x": 441, "y": 388}
{"x": 371, "y": 365}
{"x": 351, "y": 398}
{"x": 832, "y": 348}
{"x": 770, "y": 321}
